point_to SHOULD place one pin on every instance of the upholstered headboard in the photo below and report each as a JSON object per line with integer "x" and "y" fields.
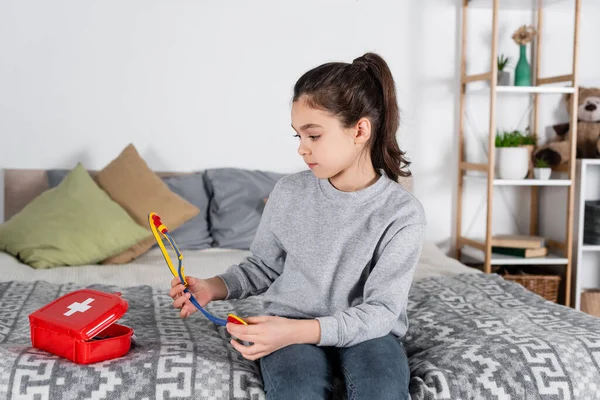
{"x": 20, "y": 187}
{"x": 23, "y": 185}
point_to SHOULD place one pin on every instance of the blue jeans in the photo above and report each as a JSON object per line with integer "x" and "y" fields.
{"x": 375, "y": 369}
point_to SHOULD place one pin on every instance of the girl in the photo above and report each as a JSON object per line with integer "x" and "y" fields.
{"x": 336, "y": 248}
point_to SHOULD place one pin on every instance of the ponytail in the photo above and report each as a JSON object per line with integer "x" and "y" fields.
{"x": 364, "y": 88}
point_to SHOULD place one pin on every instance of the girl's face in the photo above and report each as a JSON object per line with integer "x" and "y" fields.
{"x": 325, "y": 145}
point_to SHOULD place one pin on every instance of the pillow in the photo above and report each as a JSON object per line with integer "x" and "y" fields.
{"x": 128, "y": 181}
{"x": 192, "y": 235}
{"x": 237, "y": 201}
{"x": 75, "y": 223}
{"x": 56, "y": 176}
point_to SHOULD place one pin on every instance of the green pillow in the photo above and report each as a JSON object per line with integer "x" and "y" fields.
{"x": 74, "y": 223}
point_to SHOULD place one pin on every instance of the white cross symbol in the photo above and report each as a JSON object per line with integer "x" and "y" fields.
{"x": 79, "y": 307}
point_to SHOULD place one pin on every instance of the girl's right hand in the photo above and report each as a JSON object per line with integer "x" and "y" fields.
{"x": 204, "y": 290}
{"x": 198, "y": 287}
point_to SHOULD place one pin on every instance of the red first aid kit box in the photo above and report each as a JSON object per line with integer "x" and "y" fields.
{"x": 80, "y": 326}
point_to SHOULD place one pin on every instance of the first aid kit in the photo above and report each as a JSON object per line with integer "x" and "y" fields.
{"x": 80, "y": 326}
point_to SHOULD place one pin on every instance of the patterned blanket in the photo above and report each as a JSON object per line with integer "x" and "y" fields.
{"x": 471, "y": 336}
{"x": 481, "y": 337}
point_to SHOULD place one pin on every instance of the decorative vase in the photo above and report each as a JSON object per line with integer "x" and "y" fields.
{"x": 542, "y": 173}
{"x": 512, "y": 162}
{"x": 523, "y": 70}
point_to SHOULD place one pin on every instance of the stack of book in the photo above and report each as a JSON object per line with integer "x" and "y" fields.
{"x": 519, "y": 246}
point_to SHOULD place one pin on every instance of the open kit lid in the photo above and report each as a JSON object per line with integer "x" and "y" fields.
{"x": 81, "y": 314}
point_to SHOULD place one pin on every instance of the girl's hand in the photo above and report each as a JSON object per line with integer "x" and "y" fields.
{"x": 204, "y": 290}
{"x": 269, "y": 334}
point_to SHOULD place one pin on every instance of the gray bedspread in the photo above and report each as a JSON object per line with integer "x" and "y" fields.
{"x": 472, "y": 336}
{"x": 481, "y": 337}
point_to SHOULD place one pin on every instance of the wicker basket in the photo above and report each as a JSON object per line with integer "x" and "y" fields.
{"x": 543, "y": 285}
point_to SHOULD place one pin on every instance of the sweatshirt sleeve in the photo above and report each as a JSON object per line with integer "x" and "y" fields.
{"x": 257, "y": 272}
{"x": 385, "y": 294}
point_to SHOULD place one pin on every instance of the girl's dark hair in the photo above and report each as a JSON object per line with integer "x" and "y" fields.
{"x": 364, "y": 88}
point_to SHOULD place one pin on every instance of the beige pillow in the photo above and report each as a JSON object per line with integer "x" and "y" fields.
{"x": 132, "y": 184}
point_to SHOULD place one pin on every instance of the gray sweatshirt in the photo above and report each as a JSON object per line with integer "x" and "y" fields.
{"x": 346, "y": 259}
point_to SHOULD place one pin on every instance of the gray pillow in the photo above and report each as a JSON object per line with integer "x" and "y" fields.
{"x": 55, "y": 176}
{"x": 194, "y": 234}
{"x": 237, "y": 201}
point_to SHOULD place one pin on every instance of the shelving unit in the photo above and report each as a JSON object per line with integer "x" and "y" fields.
{"x": 586, "y": 256}
{"x": 560, "y": 253}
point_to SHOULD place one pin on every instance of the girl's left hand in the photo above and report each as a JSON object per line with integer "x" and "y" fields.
{"x": 267, "y": 333}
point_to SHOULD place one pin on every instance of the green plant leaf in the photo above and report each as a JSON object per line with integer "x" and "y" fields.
{"x": 541, "y": 163}
{"x": 513, "y": 138}
{"x": 502, "y": 61}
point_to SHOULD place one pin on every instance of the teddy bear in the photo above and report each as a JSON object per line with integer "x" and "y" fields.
{"x": 557, "y": 150}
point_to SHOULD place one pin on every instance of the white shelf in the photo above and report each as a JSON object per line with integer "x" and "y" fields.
{"x": 590, "y": 247}
{"x": 501, "y": 259}
{"x": 516, "y": 4}
{"x": 532, "y": 182}
{"x": 590, "y": 161}
{"x": 535, "y": 89}
{"x": 521, "y": 182}
{"x": 484, "y": 88}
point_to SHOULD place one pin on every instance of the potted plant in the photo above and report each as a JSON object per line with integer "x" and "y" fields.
{"x": 503, "y": 76}
{"x": 542, "y": 169}
{"x": 512, "y": 158}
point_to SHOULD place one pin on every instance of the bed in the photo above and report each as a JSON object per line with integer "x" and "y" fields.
{"x": 471, "y": 335}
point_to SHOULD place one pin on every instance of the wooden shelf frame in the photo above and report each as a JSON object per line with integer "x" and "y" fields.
{"x": 539, "y": 87}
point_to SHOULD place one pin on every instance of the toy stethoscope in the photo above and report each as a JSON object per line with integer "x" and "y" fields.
{"x": 157, "y": 226}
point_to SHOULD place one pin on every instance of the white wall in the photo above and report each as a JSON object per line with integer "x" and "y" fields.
{"x": 199, "y": 84}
